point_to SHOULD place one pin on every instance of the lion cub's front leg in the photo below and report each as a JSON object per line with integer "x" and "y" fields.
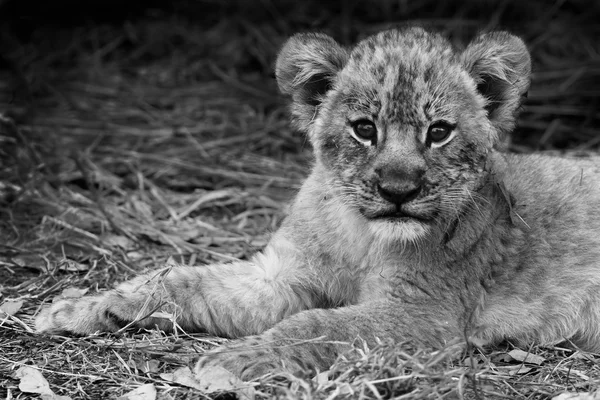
{"x": 234, "y": 300}
{"x": 312, "y": 339}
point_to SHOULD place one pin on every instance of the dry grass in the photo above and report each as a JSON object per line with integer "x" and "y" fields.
{"x": 161, "y": 134}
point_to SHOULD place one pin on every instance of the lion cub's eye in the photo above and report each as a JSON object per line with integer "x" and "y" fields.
{"x": 364, "y": 131}
{"x": 439, "y": 134}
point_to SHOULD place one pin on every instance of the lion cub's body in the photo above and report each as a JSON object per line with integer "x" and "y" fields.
{"x": 549, "y": 290}
{"x": 410, "y": 227}
{"x": 530, "y": 272}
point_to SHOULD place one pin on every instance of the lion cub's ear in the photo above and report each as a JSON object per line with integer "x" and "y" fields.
{"x": 306, "y": 68}
{"x": 501, "y": 66}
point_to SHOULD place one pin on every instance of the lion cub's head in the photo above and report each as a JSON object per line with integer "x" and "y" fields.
{"x": 403, "y": 122}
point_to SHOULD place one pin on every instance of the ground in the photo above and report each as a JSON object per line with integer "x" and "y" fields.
{"x": 129, "y": 135}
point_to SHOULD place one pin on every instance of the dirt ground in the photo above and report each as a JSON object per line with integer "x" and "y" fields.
{"x": 131, "y": 134}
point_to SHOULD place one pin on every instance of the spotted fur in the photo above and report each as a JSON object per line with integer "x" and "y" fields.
{"x": 403, "y": 235}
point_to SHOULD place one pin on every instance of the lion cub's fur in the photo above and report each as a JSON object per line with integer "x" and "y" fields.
{"x": 474, "y": 242}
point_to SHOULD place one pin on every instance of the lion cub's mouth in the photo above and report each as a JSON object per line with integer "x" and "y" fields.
{"x": 397, "y": 215}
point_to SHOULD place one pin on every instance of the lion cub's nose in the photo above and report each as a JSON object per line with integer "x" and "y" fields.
{"x": 399, "y": 194}
{"x": 399, "y": 187}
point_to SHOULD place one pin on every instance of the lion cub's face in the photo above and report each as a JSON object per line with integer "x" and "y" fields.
{"x": 403, "y": 123}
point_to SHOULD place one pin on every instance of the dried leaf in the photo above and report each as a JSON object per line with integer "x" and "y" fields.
{"x": 33, "y": 261}
{"x": 321, "y": 378}
{"x": 71, "y": 293}
{"x": 32, "y": 381}
{"x": 144, "y": 392}
{"x": 120, "y": 241}
{"x": 211, "y": 380}
{"x": 184, "y": 376}
{"x": 10, "y": 307}
{"x": 135, "y": 255}
{"x": 523, "y": 356}
{"x": 217, "y": 379}
{"x": 345, "y": 389}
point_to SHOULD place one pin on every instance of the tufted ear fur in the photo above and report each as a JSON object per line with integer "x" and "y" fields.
{"x": 306, "y": 68}
{"x": 501, "y": 66}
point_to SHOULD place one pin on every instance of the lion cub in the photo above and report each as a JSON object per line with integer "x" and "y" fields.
{"x": 411, "y": 226}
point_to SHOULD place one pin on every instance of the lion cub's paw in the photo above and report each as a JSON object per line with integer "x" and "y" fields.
{"x": 79, "y": 316}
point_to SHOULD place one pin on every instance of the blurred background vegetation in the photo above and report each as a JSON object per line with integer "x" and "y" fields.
{"x": 206, "y": 39}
